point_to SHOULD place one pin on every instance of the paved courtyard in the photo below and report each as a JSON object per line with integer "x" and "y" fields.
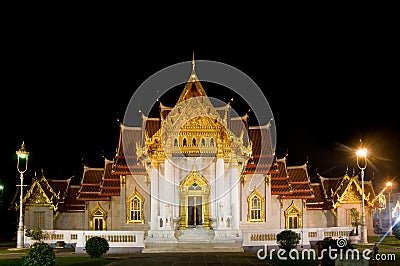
{"x": 206, "y": 258}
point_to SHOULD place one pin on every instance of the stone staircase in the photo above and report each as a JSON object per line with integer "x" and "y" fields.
{"x": 192, "y": 247}
{"x": 193, "y": 240}
{"x": 195, "y": 235}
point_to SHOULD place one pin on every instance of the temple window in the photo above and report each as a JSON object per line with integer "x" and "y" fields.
{"x": 255, "y": 203}
{"x": 135, "y": 211}
{"x": 184, "y": 142}
{"x": 175, "y": 143}
{"x": 194, "y": 142}
{"x": 212, "y": 142}
{"x": 98, "y": 223}
{"x": 203, "y": 142}
{"x": 38, "y": 219}
{"x": 293, "y": 217}
{"x": 98, "y": 218}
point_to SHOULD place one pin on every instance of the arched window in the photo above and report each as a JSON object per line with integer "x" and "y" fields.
{"x": 203, "y": 142}
{"x": 194, "y": 142}
{"x": 212, "y": 142}
{"x": 184, "y": 144}
{"x": 255, "y": 203}
{"x": 135, "y": 208}
{"x": 175, "y": 143}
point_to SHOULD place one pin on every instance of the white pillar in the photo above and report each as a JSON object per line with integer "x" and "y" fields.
{"x": 213, "y": 184}
{"x": 268, "y": 198}
{"x": 154, "y": 199}
{"x": 227, "y": 191}
{"x": 167, "y": 191}
{"x": 235, "y": 205}
{"x": 221, "y": 205}
{"x": 122, "y": 201}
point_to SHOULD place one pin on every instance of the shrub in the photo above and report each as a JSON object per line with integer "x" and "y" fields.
{"x": 288, "y": 240}
{"x": 396, "y": 231}
{"x": 39, "y": 253}
{"x": 96, "y": 246}
{"x": 333, "y": 244}
{"x": 35, "y": 234}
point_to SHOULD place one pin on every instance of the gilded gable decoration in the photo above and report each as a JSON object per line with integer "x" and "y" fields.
{"x": 41, "y": 194}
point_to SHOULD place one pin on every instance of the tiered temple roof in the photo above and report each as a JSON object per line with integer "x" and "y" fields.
{"x": 330, "y": 192}
{"x": 289, "y": 182}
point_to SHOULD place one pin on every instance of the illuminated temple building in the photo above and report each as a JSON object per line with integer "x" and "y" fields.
{"x": 196, "y": 173}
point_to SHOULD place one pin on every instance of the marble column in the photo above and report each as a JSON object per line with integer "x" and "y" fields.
{"x": 221, "y": 205}
{"x": 235, "y": 205}
{"x": 154, "y": 199}
{"x": 167, "y": 194}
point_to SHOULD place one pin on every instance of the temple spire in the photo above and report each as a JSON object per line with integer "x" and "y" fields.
{"x": 193, "y": 87}
{"x": 193, "y": 63}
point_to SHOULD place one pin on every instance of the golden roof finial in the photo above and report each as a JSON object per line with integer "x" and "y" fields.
{"x": 193, "y": 63}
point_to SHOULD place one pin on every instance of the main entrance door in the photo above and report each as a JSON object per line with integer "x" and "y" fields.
{"x": 195, "y": 213}
{"x": 194, "y": 209}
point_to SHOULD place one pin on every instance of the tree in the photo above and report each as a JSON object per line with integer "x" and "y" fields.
{"x": 288, "y": 240}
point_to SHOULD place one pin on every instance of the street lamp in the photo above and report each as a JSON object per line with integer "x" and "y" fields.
{"x": 389, "y": 185}
{"x": 362, "y": 164}
{"x": 1, "y": 193}
{"x": 22, "y": 155}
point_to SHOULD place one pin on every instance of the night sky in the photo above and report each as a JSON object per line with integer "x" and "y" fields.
{"x": 63, "y": 92}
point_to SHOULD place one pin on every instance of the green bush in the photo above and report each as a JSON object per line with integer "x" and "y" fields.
{"x": 288, "y": 240}
{"x": 39, "y": 253}
{"x": 396, "y": 231}
{"x": 35, "y": 233}
{"x": 96, "y": 246}
{"x": 332, "y": 244}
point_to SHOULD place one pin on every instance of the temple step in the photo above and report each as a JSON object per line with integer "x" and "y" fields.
{"x": 192, "y": 247}
{"x": 195, "y": 235}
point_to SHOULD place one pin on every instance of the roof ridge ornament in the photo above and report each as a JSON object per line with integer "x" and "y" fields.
{"x": 193, "y": 62}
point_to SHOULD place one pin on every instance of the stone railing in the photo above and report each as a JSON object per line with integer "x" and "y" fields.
{"x": 119, "y": 241}
{"x": 308, "y": 236}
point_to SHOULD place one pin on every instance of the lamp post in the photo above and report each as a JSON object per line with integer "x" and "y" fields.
{"x": 22, "y": 155}
{"x": 362, "y": 164}
{"x": 389, "y": 185}
{"x": 1, "y": 193}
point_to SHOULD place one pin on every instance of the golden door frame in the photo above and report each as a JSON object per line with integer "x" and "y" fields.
{"x": 194, "y": 185}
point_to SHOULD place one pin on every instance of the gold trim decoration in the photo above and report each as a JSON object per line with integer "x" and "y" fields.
{"x": 122, "y": 179}
{"x": 268, "y": 179}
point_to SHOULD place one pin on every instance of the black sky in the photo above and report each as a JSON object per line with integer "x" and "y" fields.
{"x": 62, "y": 92}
